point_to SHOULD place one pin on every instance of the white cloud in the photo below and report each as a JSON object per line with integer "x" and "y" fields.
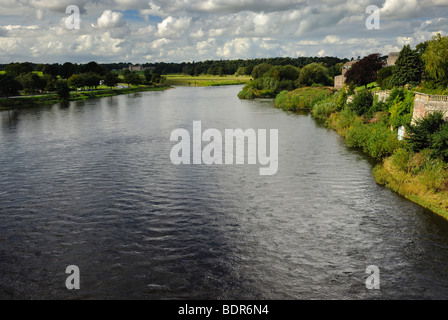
{"x": 110, "y": 19}
{"x": 186, "y": 30}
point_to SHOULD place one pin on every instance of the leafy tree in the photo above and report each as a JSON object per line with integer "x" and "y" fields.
{"x": 421, "y": 47}
{"x": 362, "y": 102}
{"x": 125, "y": 72}
{"x": 436, "y": 59}
{"x": 148, "y": 75}
{"x": 155, "y": 78}
{"x": 111, "y": 79}
{"x": 67, "y": 70}
{"x": 133, "y": 79}
{"x": 93, "y": 67}
{"x": 52, "y": 69}
{"x": 31, "y": 82}
{"x": 365, "y": 71}
{"x": 313, "y": 73}
{"x": 439, "y": 143}
{"x": 91, "y": 80}
{"x": 8, "y": 86}
{"x": 16, "y": 69}
{"x": 408, "y": 68}
{"x": 420, "y": 134}
{"x": 289, "y": 73}
{"x": 260, "y": 70}
{"x": 384, "y": 76}
{"x": 62, "y": 89}
{"x": 75, "y": 81}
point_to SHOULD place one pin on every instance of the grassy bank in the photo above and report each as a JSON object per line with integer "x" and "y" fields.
{"x": 418, "y": 175}
{"x": 205, "y": 80}
{"x": 302, "y": 98}
{"x": 415, "y": 187}
{"x": 34, "y": 101}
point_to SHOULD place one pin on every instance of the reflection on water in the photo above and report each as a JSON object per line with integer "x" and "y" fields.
{"x": 91, "y": 184}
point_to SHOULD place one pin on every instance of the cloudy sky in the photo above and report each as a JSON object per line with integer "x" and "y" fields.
{"x": 142, "y": 31}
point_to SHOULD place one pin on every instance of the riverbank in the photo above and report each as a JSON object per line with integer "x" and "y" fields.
{"x": 417, "y": 176}
{"x": 34, "y": 101}
{"x": 205, "y": 80}
{"x": 365, "y": 123}
{"x": 411, "y": 187}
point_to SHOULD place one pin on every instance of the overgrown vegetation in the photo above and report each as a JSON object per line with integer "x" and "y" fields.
{"x": 302, "y": 99}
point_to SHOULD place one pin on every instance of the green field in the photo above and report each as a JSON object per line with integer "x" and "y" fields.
{"x": 39, "y": 73}
{"x": 205, "y": 80}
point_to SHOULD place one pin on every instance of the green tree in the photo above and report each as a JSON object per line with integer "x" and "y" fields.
{"x": 133, "y": 79}
{"x": 31, "y": 82}
{"x": 408, "y": 68}
{"x": 384, "y": 76}
{"x": 75, "y": 81}
{"x": 313, "y": 73}
{"x": 155, "y": 78}
{"x": 148, "y": 75}
{"x": 421, "y": 133}
{"x": 16, "y": 69}
{"x": 436, "y": 59}
{"x": 8, "y": 86}
{"x": 260, "y": 70}
{"x": 362, "y": 102}
{"x": 365, "y": 71}
{"x": 111, "y": 79}
{"x": 62, "y": 89}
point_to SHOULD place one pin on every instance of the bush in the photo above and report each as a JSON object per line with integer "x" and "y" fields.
{"x": 301, "y": 99}
{"x": 323, "y": 109}
{"x": 384, "y": 76}
{"x": 357, "y": 135}
{"x": 247, "y": 93}
{"x": 362, "y": 102}
{"x": 420, "y": 135}
{"x": 401, "y": 159}
{"x": 341, "y": 100}
{"x": 376, "y": 139}
{"x": 439, "y": 143}
{"x": 62, "y": 89}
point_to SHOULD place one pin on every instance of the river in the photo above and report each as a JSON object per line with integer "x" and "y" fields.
{"x": 91, "y": 184}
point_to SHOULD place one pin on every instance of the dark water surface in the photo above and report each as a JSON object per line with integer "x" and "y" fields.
{"x": 91, "y": 184}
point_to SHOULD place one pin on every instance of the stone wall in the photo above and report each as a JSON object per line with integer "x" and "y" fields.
{"x": 339, "y": 82}
{"x": 383, "y": 95}
{"x": 425, "y": 103}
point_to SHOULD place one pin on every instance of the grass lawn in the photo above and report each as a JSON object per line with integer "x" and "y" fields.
{"x": 205, "y": 80}
{"x": 39, "y": 73}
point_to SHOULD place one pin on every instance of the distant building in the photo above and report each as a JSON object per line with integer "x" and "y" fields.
{"x": 392, "y": 59}
{"x": 138, "y": 67}
{"x": 339, "y": 81}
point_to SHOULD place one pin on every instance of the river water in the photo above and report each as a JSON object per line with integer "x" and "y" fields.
{"x": 91, "y": 184}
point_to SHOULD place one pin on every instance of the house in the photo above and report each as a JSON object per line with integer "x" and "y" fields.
{"x": 339, "y": 81}
{"x": 392, "y": 59}
{"x": 138, "y": 67}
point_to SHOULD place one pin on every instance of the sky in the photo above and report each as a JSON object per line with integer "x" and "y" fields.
{"x": 145, "y": 31}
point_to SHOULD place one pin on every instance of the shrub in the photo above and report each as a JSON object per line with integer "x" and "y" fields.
{"x": 323, "y": 109}
{"x": 247, "y": 93}
{"x": 439, "y": 143}
{"x": 357, "y": 135}
{"x": 362, "y": 102}
{"x": 401, "y": 159}
{"x": 420, "y": 134}
{"x": 341, "y": 100}
{"x": 384, "y": 76}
